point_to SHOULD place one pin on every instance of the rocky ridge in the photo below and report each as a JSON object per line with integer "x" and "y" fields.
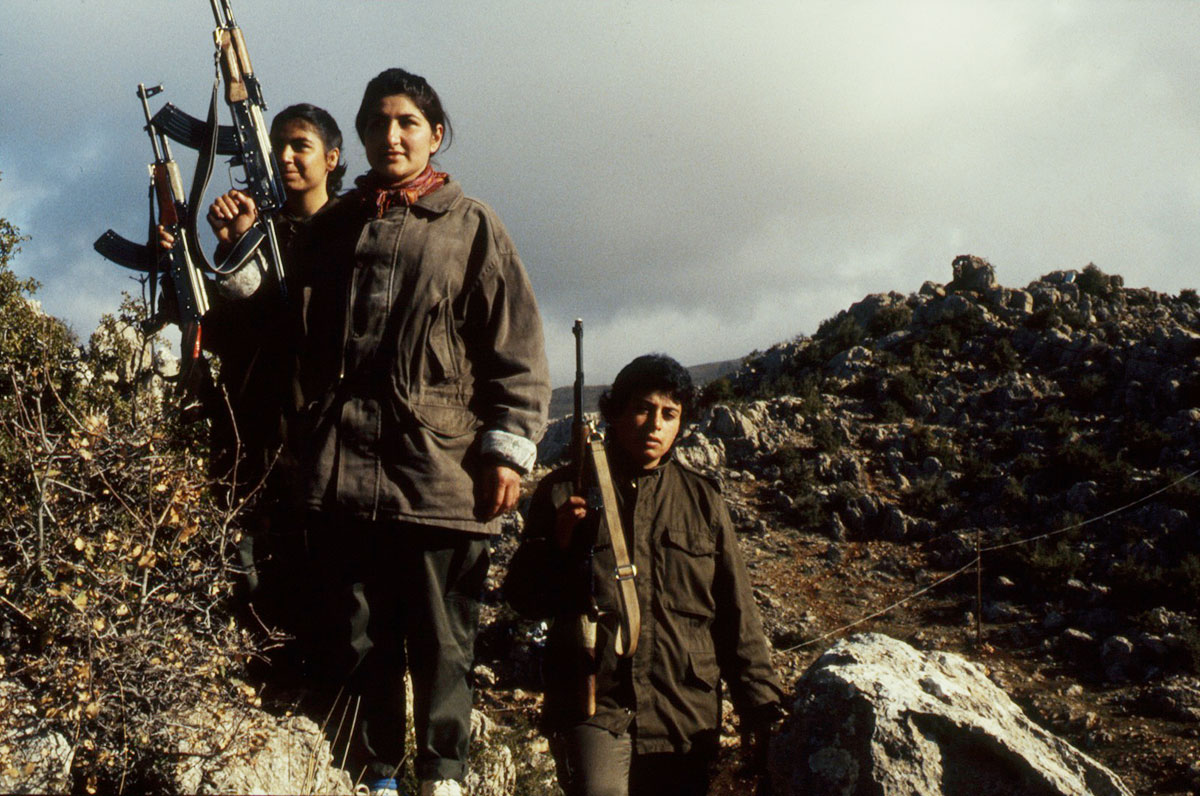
{"x": 1056, "y": 427}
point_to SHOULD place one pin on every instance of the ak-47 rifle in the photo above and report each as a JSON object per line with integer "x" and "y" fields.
{"x": 191, "y": 294}
{"x": 247, "y": 141}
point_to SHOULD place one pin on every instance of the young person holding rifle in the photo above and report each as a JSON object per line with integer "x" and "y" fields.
{"x": 649, "y": 721}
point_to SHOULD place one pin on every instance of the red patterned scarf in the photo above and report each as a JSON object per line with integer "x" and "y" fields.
{"x": 386, "y": 196}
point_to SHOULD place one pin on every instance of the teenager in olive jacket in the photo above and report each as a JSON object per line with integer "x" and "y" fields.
{"x": 657, "y": 714}
{"x": 424, "y": 387}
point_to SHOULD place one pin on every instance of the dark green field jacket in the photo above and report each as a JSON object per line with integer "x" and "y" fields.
{"x": 421, "y": 360}
{"x": 700, "y": 624}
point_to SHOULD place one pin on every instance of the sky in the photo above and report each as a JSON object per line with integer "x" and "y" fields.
{"x": 699, "y": 178}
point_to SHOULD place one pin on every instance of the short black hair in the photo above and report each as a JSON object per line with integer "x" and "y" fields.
{"x": 400, "y": 81}
{"x": 326, "y": 126}
{"x": 650, "y": 373}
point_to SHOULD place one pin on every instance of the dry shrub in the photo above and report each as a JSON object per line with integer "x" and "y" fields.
{"x": 114, "y": 549}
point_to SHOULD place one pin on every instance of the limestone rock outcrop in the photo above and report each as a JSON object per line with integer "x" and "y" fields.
{"x": 874, "y": 715}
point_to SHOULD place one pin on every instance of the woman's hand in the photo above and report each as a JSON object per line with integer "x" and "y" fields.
{"x": 230, "y": 215}
{"x": 566, "y": 518}
{"x": 499, "y": 491}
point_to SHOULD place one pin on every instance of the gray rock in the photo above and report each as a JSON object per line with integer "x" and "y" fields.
{"x": 729, "y": 422}
{"x": 972, "y": 273}
{"x": 1082, "y": 496}
{"x": 1116, "y": 656}
{"x": 1061, "y": 277}
{"x": 875, "y": 715}
{"x": 944, "y": 310}
{"x": 849, "y": 363}
{"x": 33, "y": 758}
{"x": 240, "y": 749}
{"x": 895, "y": 524}
{"x": 1177, "y": 699}
{"x": 492, "y": 772}
{"x": 1054, "y": 621}
{"x": 699, "y": 451}
{"x": 1021, "y": 302}
{"x": 863, "y": 312}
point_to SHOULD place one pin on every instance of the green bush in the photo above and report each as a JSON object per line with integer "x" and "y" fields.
{"x": 1095, "y": 282}
{"x": 827, "y": 437}
{"x": 928, "y": 496}
{"x": 838, "y": 333}
{"x": 890, "y": 319}
{"x": 718, "y": 391}
{"x": 1049, "y": 564}
{"x": 1003, "y": 357}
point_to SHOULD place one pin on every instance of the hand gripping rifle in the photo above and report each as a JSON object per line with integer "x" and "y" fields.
{"x": 191, "y": 295}
{"x": 247, "y": 141}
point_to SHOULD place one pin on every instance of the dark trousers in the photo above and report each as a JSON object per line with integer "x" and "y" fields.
{"x": 403, "y": 597}
{"x": 592, "y": 761}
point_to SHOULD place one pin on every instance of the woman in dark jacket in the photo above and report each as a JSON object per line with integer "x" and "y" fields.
{"x": 424, "y": 387}
{"x": 651, "y": 724}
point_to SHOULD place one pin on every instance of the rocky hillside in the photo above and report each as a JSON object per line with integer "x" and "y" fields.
{"x": 1054, "y": 428}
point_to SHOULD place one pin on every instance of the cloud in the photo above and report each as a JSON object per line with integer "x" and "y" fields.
{"x": 703, "y": 178}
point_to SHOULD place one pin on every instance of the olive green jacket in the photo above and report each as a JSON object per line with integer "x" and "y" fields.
{"x": 700, "y": 624}
{"x": 421, "y": 360}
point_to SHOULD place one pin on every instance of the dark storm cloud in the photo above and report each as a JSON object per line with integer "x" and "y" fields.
{"x": 701, "y": 178}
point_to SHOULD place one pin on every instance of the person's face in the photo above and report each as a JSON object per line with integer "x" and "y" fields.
{"x": 398, "y": 139}
{"x": 303, "y": 159}
{"x": 646, "y": 429}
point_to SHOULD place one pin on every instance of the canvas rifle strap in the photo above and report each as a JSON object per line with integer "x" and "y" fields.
{"x": 631, "y": 616}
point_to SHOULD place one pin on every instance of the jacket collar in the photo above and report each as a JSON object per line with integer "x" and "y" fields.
{"x": 442, "y": 199}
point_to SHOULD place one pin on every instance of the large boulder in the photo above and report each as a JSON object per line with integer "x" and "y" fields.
{"x": 972, "y": 273}
{"x": 876, "y": 716}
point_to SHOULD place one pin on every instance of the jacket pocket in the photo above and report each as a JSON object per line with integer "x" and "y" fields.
{"x": 689, "y": 565}
{"x": 702, "y": 670}
{"x": 440, "y": 400}
{"x": 444, "y": 349}
{"x": 445, "y": 412}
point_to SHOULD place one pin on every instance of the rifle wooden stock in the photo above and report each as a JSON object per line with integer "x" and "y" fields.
{"x": 169, "y": 188}
{"x": 231, "y": 70}
{"x": 243, "y": 55}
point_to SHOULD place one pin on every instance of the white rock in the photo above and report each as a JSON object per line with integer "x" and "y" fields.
{"x": 876, "y": 716}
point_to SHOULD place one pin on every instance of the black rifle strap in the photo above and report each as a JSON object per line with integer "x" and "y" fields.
{"x": 204, "y": 164}
{"x": 248, "y": 244}
{"x": 152, "y": 246}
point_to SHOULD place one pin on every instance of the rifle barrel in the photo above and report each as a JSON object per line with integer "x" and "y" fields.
{"x": 578, "y": 332}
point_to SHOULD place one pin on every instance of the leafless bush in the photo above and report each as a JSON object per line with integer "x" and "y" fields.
{"x": 115, "y": 550}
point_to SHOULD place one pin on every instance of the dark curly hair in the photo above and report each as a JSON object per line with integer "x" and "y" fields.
{"x": 326, "y": 126}
{"x": 650, "y": 373}
{"x": 416, "y": 88}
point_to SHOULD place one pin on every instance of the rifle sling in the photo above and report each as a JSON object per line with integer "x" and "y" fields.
{"x": 204, "y": 164}
{"x": 208, "y": 150}
{"x": 625, "y": 572}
